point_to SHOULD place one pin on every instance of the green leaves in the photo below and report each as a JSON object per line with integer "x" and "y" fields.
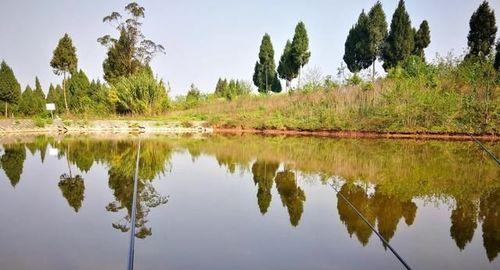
{"x": 358, "y": 54}
{"x": 287, "y": 69}
{"x": 64, "y": 58}
{"x": 399, "y": 43}
{"x": 265, "y": 76}
{"x": 300, "y": 46}
{"x": 482, "y": 31}
{"x": 140, "y": 93}
{"x": 10, "y": 90}
{"x": 422, "y": 39}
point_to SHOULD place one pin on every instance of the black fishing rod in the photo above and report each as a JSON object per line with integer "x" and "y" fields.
{"x": 130, "y": 265}
{"x": 373, "y": 228}
{"x": 485, "y": 149}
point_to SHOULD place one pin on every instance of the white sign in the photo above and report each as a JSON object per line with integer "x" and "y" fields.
{"x": 50, "y": 106}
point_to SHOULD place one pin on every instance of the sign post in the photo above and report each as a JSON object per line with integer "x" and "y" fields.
{"x": 50, "y": 107}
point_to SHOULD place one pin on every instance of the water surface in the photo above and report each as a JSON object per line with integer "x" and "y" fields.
{"x": 247, "y": 202}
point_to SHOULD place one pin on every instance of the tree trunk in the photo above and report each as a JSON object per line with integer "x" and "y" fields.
{"x": 373, "y": 71}
{"x": 64, "y": 92}
{"x": 300, "y": 71}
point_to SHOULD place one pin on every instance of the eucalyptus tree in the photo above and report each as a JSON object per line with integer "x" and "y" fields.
{"x": 265, "y": 76}
{"x": 132, "y": 51}
{"x": 10, "y": 90}
{"x": 422, "y": 39}
{"x": 64, "y": 61}
{"x": 482, "y": 31}
{"x": 378, "y": 32}
{"x": 399, "y": 43}
{"x": 300, "y": 48}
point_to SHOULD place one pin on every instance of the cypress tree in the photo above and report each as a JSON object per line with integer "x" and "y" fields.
{"x": 358, "y": 53}
{"x": 78, "y": 90}
{"x": 38, "y": 98}
{"x": 378, "y": 32}
{"x": 399, "y": 43}
{"x": 287, "y": 70}
{"x": 26, "y": 102}
{"x": 482, "y": 31}
{"x": 265, "y": 76}
{"x": 496, "y": 64}
{"x": 64, "y": 61}
{"x": 38, "y": 89}
{"x": 10, "y": 90}
{"x": 300, "y": 48}
{"x": 422, "y": 39}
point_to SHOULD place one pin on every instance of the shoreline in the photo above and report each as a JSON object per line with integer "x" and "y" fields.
{"x": 58, "y": 127}
{"x": 364, "y": 134}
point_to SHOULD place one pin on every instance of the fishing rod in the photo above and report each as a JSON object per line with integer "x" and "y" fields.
{"x": 130, "y": 265}
{"x": 373, "y": 228}
{"x": 485, "y": 149}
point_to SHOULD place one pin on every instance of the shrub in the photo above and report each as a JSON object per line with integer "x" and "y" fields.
{"x": 140, "y": 93}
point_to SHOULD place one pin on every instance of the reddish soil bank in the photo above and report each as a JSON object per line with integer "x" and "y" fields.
{"x": 363, "y": 134}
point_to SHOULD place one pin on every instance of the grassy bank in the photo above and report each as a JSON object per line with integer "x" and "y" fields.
{"x": 444, "y": 97}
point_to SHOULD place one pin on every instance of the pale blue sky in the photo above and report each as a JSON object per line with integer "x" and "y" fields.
{"x": 205, "y": 39}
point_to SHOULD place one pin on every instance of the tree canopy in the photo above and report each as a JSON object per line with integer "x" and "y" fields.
{"x": 422, "y": 39}
{"x": 358, "y": 54}
{"x": 131, "y": 51}
{"x": 287, "y": 69}
{"x": 10, "y": 90}
{"x": 265, "y": 76}
{"x": 482, "y": 31}
{"x": 399, "y": 43}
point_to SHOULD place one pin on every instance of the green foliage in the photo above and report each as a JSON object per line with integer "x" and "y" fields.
{"x": 128, "y": 54}
{"x": 38, "y": 89}
{"x": 232, "y": 89}
{"x": 496, "y": 64}
{"x": 287, "y": 70}
{"x": 140, "y": 93}
{"x": 422, "y": 39}
{"x": 300, "y": 46}
{"x": 378, "y": 29}
{"x": 10, "y": 90}
{"x": 12, "y": 162}
{"x": 78, "y": 92}
{"x": 72, "y": 189}
{"x": 358, "y": 54}
{"x": 399, "y": 43}
{"x": 193, "y": 95}
{"x": 265, "y": 76}
{"x": 55, "y": 95}
{"x": 482, "y": 31}
{"x": 64, "y": 58}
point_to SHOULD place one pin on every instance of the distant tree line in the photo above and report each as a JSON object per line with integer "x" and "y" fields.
{"x": 131, "y": 87}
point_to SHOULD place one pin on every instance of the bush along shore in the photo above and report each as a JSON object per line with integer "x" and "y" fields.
{"x": 446, "y": 97}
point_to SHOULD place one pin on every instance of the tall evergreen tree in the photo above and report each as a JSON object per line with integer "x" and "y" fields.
{"x": 358, "y": 54}
{"x": 300, "y": 48}
{"x": 26, "y": 102}
{"x": 378, "y": 32}
{"x": 265, "y": 76}
{"x": 38, "y": 89}
{"x": 399, "y": 43}
{"x": 496, "y": 64}
{"x": 287, "y": 70}
{"x": 482, "y": 31}
{"x": 38, "y": 98}
{"x": 64, "y": 61}
{"x": 10, "y": 90}
{"x": 422, "y": 39}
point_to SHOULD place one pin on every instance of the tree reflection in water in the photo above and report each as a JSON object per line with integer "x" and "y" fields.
{"x": 446, "y": 168}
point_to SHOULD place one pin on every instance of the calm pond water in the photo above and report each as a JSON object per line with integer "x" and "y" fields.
{"x": 247, "y": 202}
